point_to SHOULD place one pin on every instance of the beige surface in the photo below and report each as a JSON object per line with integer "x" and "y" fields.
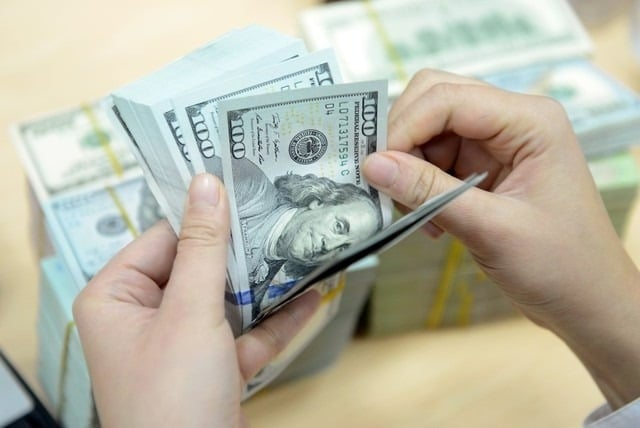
{"x": 56, "y": 54}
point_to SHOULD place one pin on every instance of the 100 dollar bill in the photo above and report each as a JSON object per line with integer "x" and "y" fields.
{"x": 291, "y": 165}
{"x": 197, "y": 111}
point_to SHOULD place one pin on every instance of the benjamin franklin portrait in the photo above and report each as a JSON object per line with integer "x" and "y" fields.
{"x": 293, "y": 224}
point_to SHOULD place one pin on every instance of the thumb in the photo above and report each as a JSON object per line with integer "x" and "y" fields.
{"x": 198, "y": 277}
{"x": 410, "y": 181}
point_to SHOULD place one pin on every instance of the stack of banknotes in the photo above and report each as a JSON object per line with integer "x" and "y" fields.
{"x": 532, "y": 47}
{"x": 88, "y": 199}
{"x": 393, "y": 39}
{"x": 288, "y": 139}
{"x": 62, "y": 369}
{"x": 605, "y": 113}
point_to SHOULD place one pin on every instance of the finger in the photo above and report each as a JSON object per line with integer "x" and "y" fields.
{"x": 411, "y": 181}
{"x": 421, "y": 82}
{"x": 151, "y": 254}
{"x": 432, "y": 230}
{"x": 197, "y": 281}
{"x": 460, "y": 157}
{"x": 134, "y": 273}
{"x": 262, "y": 344}
{"x": 500, "y": 120}
{"x": 442, "y": 151}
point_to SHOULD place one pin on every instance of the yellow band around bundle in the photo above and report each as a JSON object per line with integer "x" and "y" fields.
{"x": 103, "y": 139}
{"x": 389, "y": 47}
{"x": 64, "y": 366}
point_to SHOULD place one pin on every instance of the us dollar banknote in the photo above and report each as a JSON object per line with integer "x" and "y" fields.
{"x": 291, "y": 165}
{"x": 197, "y": 111}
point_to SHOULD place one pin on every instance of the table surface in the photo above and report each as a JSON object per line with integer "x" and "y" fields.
{"x": 507, "y": 373}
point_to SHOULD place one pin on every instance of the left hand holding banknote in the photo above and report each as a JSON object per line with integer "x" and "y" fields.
{"x": 152, "y": 323}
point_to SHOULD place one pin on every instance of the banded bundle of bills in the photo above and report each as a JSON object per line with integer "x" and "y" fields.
{"x": 443, "y": 286}
{"x": 605, "y": 114}
{"x": 88, "y": 199}
{"x": 393, "y": 39}
{"x": 62, "y": 369}
{"x": 71, "y": 154}
{"x": 532, "y": 47}
{"x": 440, "y": 287}
{"x": 88, "y": 196}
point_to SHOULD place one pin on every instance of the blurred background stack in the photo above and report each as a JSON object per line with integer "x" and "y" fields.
{"x": 87, "y": 200}
{"x": 441, "y": 288}
{"x": 62, "y": 369}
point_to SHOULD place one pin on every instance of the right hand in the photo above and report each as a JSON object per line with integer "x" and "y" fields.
{"x": 537, "y": 227}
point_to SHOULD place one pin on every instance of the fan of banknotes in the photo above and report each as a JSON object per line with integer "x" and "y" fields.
{"x": 287, "y": 138}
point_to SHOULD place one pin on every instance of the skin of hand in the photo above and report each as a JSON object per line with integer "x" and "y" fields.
{"x": 152, "y": 324}
{"x": 537, "y": 225}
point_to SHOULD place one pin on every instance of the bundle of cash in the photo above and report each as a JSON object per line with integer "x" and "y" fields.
{"x": 393, "y": 39}
{"x": 443, "y": 287}
{"x": 88, "y": 199}
{"x": 618, "y": 178}
{"x": 539, "y": 48}
{"x": 605, "y": 114}
{"x": 62, "y": 369}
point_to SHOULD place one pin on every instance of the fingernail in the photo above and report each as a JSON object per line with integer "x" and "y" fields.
{"x": 204, "y": 190}
{"x": 432, "y": 230}
{"x": 381, "y": 170}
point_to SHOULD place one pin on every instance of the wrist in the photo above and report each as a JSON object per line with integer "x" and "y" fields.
{"x": 605, "y": 337}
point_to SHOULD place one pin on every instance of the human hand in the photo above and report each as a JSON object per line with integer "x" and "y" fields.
{"x": 152, "y": 324}
{"x": 537, "y": 226}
